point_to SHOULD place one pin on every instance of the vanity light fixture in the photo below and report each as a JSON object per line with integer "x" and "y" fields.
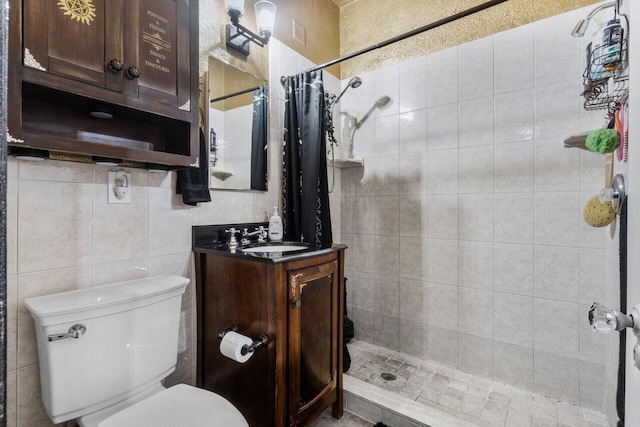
{"x": 106, "y": 161}
{"x": 30, "y": 154}
{"x": 238, "y": 36}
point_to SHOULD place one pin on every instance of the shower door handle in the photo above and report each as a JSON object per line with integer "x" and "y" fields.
{"x": 604, "y": 319}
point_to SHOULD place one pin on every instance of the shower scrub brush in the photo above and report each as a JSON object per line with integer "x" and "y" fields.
{"x": 603, "y": 140}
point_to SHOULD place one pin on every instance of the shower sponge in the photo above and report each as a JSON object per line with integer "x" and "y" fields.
{"x": 603, "y": 140}
{"x": 598, "y": 214}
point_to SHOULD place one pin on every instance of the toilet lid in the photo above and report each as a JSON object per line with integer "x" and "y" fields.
{"x": 181, "y": 405}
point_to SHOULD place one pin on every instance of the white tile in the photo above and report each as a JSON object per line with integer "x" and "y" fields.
{"x": 556, "y": 168}
{"x": 476, "y": 68}
{"x": 387, "y": 135}
{"x": 475, "y": 355}
{"x": 513, "y": 365}
{"x": 362, "y": 252}
{"x": 442, "y": 261}
{"x": 557, "y": 273}
{"x": 557, "y": 110}
{"x": 363, "y": 290}
{"x": 442, "y": 127}
{"x": 412, "y": 173}
{"x": 12, "y": 226}
{"x": 548, "y": 336}
{"x": 386, "y": 215}
{"x": 413, "y": 84}
{"x": 592, "y": 386}
{"x": 413, "y": 341}
{"x": 476, "y": 264}
{"x": 120, "y": 231}
{"x": 442, "y": 217}
{"x": 557, "y": 54}
{"x": 387, "y": 332}
{"x": 442, "y": 171}
{"x": 593, "y": 281}
{"x": 387, "y": 253}
{"x": 170, "y": 223}
{"x": 363, "y": 215}
{"x": 12, "y": 322}
{"x": 387, "y": 83}
{"x": 58, "y": 171}
{"x": 442, "y": 346}
{"x": 386, "y": 182}
{"x": 476, "y": 122}
{"x": 557, "y": 377}
{"x": 414, "y": 297}
{"x": 513, "y": 60}
{"x": 413, "y": 215}
{"x": 387, "y": 298}
{"x": 476, "y": 217}
{"x": 513, "y": 167}
{"x": 413, "y": 131}
{"x": 443, "y": 311}
{"x": 513, "y": 218}
{"x": 413, "y": 258}
{"x": 476, "y": 312}
{"x": 556, "y": 219}
{"x": 62, "y": 237}
{"x": 120, "y": 271}
{"x": 592, "y": 173}
{"x": 593, "y": 345}
{"x": 513, "y": 268}
{"x": 514, "y": 113}
{"x": 476, "y": 170}
{"x": 442, "y": 77}
{"x": 513, "y": 319}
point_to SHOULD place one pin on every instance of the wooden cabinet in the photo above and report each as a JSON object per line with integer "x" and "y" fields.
{"x": 135, "y": 60}
{"x": 298, "y": 304}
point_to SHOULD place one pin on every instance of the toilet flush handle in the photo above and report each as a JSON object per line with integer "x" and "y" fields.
{"x": 76, "y": 331}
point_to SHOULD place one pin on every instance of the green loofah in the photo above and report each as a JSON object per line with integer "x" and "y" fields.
{"x": 603, "y": 140}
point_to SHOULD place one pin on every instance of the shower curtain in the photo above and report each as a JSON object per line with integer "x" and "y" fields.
{"x": 259, "y": 139}
{"x": 305, "y": 192}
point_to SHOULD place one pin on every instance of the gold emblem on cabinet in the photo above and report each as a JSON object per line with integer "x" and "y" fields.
{"x": 80, "y": 10}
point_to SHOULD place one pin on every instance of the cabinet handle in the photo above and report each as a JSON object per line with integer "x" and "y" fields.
{"x": 115, "y": 65}
{"x": 133, "y": 73}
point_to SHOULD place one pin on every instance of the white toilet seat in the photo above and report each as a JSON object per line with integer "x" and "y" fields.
{"x": 181, "y": 405}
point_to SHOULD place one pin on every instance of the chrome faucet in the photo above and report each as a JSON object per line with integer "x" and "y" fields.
{"x": 260, "y": 231}
{"x": 233, "y": 243}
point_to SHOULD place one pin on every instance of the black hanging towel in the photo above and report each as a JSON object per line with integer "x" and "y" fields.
{"x": 193, "y": 183}
{"x": 259, "y": 139}
{"x": 305, "y": 191}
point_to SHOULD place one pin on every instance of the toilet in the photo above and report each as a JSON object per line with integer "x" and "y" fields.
{"x": 104, "y": 351}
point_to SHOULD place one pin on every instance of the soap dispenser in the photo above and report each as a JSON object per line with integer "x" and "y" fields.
{"x": 275, "y": 226}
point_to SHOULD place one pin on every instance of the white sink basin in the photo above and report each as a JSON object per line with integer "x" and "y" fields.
{"x": 275, "y": 248}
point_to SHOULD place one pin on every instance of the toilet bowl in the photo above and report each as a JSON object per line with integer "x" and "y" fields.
{"x": 104, "y": 351}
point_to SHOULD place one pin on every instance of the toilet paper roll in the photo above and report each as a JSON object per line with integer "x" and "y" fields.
{"x": 231, "y": 346}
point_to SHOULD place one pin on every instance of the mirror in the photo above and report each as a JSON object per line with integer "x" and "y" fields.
{"x": 237, "y": 128}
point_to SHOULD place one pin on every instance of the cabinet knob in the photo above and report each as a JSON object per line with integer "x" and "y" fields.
{"x": 296, "y": 303}
{"x": 115, "y": 65}
{"x": 133, "y": 73}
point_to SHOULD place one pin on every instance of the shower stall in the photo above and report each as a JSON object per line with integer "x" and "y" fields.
{"x": 470, "y": 269}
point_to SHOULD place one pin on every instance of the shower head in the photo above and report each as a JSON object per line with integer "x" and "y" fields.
{"x": 581, "y": 26}
{"x": 355, "y": 82}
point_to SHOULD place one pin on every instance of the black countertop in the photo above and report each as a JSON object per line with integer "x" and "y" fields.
{"x": 213, "y": 239}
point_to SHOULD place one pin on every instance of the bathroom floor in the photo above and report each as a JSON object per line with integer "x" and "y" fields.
{"x": 470, "y": 398}
{"x": 347, "y": 420}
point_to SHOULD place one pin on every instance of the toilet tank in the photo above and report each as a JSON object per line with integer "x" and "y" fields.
{"x": 130, "y": 343}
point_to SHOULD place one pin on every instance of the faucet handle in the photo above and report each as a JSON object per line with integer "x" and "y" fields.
{"x": 233, "y": 243}
{"x": 232, "y": 231}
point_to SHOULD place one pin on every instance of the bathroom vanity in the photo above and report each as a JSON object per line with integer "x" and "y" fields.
{"x": 295, "y": 299}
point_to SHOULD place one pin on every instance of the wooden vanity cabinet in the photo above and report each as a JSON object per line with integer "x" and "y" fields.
{"x": 299, "y": 306}
{"x": 135, "y": 58}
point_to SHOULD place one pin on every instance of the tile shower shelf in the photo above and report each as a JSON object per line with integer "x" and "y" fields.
{"x": 346, "y": 163}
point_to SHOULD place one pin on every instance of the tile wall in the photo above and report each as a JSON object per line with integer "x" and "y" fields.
{"x": 464, "y": 225}
{"x": 62, "y": 235}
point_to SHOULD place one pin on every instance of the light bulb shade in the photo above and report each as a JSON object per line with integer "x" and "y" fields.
{"x": 236, "y": 6}
{"x": 265, "y": 16}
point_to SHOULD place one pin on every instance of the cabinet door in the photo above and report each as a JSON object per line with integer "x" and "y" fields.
{"x": 313, "y": 339}
{"x": 157, "y": 44}
{"x": 75, "y": 39}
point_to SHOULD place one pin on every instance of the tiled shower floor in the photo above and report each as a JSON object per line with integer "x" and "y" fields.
{"x": 473, "y": 399}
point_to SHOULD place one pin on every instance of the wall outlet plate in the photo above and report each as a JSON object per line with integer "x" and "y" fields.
{"x": 111, "y": 188}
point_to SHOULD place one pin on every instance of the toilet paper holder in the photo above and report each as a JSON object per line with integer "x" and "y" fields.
{"x": 261, "y": 342}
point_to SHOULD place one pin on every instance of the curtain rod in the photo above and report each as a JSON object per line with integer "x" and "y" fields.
{"x": 231, "y": 95}
{"x": 412, "y": 33}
